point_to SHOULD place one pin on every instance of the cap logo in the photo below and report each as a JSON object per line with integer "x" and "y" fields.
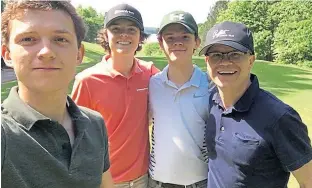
{"x": 176, "y": 17}
{"x": 248, "y": 32}
{"x": 125, "y": 11}
{"x": 221, "y": 33}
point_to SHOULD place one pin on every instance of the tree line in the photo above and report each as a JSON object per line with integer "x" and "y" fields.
{"x": 282, "y": 30}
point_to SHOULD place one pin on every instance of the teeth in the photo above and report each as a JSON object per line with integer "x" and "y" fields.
{"x": 123, "y": 43}
{"x": 226, "y": 72}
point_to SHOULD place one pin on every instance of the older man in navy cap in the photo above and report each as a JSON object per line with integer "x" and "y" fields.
{"x": 253, "y": 138}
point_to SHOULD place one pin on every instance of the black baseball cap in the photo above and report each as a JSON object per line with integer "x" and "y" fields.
{"x": 179, "y": 17}
{"x": 124, "y": 11}
{"x": 235, "y": 35}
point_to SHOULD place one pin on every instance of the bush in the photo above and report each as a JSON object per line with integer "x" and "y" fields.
{"x": 152, "y": 49}
{"x": 293, "y": 42}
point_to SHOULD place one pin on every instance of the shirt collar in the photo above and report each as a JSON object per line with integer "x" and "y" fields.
{"x": 194, "y": 81}
{"x": 26, "y": 116}
{"x": 246, "y": 100}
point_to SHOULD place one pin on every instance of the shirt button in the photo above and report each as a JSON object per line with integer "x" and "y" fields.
{"x": 222, "y": 128}
{"x": 131, "y": 184}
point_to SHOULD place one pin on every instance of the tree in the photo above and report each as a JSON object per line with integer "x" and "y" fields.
{"x": 93, "y": 20}
{"x": 211, "y": 19}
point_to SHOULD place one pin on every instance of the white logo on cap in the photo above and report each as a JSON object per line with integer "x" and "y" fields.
{"x": 126, "y": 11}
{"x": 221, "y": 33}
{"x": 177, "y": 17}
{"x": 248, "y": 32}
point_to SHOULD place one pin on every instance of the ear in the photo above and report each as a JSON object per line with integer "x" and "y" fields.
{"x": 198, "y": 42}
{"x": 80, "y": 55}
{"x": 6, "y": 55}
{"x": 252, "y": 59}
{"x": 206, "y": 59}
{"x": 160, "y": 41}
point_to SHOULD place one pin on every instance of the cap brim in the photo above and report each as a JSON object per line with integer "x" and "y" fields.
{"x": 186, "y": 26}
{"x": 232, "y": 44}
{"x": 140, "y": 26}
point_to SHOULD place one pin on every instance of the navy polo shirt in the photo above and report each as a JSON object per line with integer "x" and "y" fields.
{"x": 256, "y": 143}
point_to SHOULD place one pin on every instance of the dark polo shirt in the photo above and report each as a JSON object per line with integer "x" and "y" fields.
{"x": 36, "y": 151}
{"x": 256, "y": 143}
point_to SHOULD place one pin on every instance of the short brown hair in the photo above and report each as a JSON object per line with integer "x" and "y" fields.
{"x": 15, "y": 8}
{"x": 103, "y": 40}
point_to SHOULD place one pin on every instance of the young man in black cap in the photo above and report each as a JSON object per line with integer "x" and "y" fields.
{"x": 46, "y": 139}
{"x": 253, "y": 138}
{"x": 179, "y": 109}
{"x": 117, "y": 87}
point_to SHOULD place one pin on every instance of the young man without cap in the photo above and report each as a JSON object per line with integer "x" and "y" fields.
{"x": 253, "y": 138}
{"x": 117, "y": 87}
{"x": 179, "y": 109}
{"x": 46, "y": 139}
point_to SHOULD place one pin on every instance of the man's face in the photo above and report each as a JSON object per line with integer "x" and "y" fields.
{"x": 43, "y": 50}
{"x": 177, "y": 43}
{"x": 123, "y": 37}
{"x": 230, "y": 72}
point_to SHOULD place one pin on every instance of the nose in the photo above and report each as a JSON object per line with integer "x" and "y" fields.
{"x": 123, "y": 33}
{"x": 46, "y": 52}
{"x": 225, "y": 60}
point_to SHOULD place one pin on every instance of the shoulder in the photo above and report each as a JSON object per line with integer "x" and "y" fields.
{"x": 145, "y": 65}
{"x": 272, "y": 107}
{"x": 91, "y": 72}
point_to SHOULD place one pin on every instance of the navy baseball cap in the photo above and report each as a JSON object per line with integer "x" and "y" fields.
{"x": 235, "y": 35}
{"x": 124, "y": 11}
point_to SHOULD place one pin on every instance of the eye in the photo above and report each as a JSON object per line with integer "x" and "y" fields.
{"x": 215, "y": 55}
{"x": 61, "y": 40}
{"x": 186, "y": 37}
{"x": 235, "y": 55}
{"x": 27, "y": 40}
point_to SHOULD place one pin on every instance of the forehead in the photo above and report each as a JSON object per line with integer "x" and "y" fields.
{"x": 123, "y": 22}
{"x": 174, "y": 28}
{"x": 42, "y": 21}
{"x": 220, "y": 48}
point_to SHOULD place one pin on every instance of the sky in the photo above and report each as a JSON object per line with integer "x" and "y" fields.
{"x": 152, "y": 11}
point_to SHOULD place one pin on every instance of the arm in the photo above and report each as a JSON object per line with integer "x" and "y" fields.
{"x": 304, "y": 175}
{"x": 107, "y": 180}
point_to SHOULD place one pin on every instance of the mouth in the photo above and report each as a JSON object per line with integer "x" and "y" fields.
{"x": 46, "y": 69}
{"x": 123, "y": 42}
{"x": 226, "y": 73}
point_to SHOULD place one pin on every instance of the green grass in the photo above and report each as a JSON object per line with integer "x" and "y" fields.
{"x": 291, "y": 84}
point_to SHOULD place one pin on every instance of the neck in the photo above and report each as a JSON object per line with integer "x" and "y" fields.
{"x": 50, "y": 104}
{"x": 180, "y": 73}
{"x": 122, "y": 63}
{"x": 231, "y": 95}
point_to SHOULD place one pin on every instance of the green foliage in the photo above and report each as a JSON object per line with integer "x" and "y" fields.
{"x": 93, "y": 20}
{"x": 152, "y": 49}
{"x": 293, "y": 42}
{"x": 214, "y": 12}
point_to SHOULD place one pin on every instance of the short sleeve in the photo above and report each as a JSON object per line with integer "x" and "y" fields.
{"x": 291, "y": 141}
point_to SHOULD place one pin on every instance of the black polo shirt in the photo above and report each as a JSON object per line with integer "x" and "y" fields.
{"x": 256, "y": 143}
{"x": 36, "y": 151}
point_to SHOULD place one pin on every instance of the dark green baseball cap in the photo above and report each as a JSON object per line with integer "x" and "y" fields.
{"x": 179, "y": 17}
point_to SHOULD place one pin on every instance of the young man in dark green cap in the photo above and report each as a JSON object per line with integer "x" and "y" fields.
{"x": 179, "y": 108}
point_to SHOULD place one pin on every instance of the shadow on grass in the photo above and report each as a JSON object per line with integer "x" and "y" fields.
{"x": 282, "y": 80}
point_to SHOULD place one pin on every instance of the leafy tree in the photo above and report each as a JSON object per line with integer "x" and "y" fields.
{"x": 93, "y": 20}
{"x": 211, "y": 20}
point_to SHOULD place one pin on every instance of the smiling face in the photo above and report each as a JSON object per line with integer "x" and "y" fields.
{"x": 123, "y": 37}
{"x": 227, "y": 74}
{"x": 177, "y": 43}
{"x": 43, "y": 51}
